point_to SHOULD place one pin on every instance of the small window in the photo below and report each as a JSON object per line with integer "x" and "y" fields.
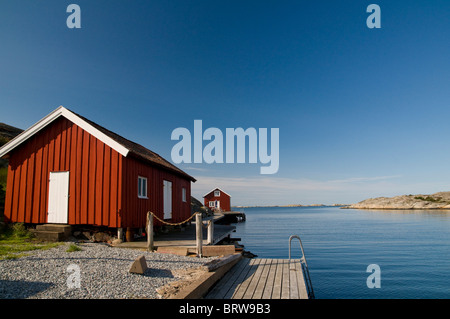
{"x": 183, "y": 194}
{"x": 142, "y": 187}
{"x": 211, "y": 204}
{"x": 216, "y": 193}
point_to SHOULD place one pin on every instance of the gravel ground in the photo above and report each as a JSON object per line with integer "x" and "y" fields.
{"x": 103, "y": 270}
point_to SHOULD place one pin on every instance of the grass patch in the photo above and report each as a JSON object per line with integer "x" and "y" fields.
{"x": 73, "y": 247}
{"x": 16, "y": 240}
{"x": 3, "y": 176}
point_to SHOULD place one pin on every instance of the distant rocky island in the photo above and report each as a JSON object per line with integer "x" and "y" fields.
{"x": 439, "y": 200}
{"x": 294, "y": 205}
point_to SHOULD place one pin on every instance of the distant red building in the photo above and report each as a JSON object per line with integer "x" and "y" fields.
{"x": 218, "y": 199}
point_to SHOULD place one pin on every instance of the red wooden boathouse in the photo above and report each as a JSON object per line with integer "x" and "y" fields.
{"x": 66, "y": 169}
{"x": 218, "y": 199}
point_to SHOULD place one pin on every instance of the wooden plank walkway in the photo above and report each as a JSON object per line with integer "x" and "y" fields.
{"x": 262, "y": 279}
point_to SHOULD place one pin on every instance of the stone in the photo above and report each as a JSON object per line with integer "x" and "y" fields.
{"x": 101, "y": 237}
{"x": 116, "y": 241}
{"x": 86, "y": 234}
{"x": 139, "y": 266}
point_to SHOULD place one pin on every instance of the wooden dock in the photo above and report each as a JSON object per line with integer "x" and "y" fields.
{"x": 181, "y": 240}
{"x": 262, "y": 279}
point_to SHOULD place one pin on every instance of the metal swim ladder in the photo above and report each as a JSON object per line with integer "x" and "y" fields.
{"x": 308, "y": 283}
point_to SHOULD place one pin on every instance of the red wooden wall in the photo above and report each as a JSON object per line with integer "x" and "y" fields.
{"x": 225, "y": 200}
{"x": 135, "y": 209}
{"x": 94, "y": 176}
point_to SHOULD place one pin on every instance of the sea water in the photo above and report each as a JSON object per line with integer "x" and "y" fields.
{"x": 411, "y": 248}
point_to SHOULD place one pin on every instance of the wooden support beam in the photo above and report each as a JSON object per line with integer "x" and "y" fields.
{"x": 150, "y": 243}
{"x": 210, "y": 240}
{"x": 218, "y": 250}
{"x": 219, "y": 262}
{"x": 199, "y": 234}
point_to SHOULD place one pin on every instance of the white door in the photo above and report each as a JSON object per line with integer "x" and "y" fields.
{"x": 218, "y": 204}
{"x": 167, "y": 199}
{"x": 58, "y": 197}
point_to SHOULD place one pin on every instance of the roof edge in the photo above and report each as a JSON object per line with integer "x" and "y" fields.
{"x": 61, "y": 111}
{"x": 158, "y": 165}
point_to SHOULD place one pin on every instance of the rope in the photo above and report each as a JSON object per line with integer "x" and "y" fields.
{"x": 172, "y": 224}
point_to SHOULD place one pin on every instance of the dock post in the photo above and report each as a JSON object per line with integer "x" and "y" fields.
{"x": 210, "y": 239}
{"x": 199, "y": 234}
{"x": 150, "y": 245}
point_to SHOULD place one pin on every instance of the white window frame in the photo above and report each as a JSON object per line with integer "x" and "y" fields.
{"x": 212, "y": 203}
{"x": 142, "y": 181}
{"x": 216, "y": 193}
{"x": 183, "y": 194}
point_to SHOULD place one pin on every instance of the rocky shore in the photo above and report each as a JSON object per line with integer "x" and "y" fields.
{"x": 439, "y": 200}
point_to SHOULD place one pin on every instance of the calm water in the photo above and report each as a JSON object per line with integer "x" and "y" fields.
{"x": 412, "y": 248}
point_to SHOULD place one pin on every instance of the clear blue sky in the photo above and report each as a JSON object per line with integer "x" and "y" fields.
{"x": 362, "y": 112}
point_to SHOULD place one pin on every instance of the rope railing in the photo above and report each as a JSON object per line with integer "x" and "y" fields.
{"x": 199, "y": 225}
{"x": 171, "y": 224}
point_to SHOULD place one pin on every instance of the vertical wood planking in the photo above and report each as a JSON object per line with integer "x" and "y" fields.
{"x": 114, "y": 187}
{"x": 72, "y": 175}
{"x": 68, "y": 146}
{"x": 98, "y": 184}
{"x": 57, "y": 147}
{"x": 92, "y": 186}
{"x": 84, "y": 179}
{"x": 120, "y": 191}
{"x": 62, "y": 160}
{"x": 51, "y": 150}
{"x": 78, "y": 175}
{"x": 22, "y": 191}
{"x": 44, "y": 180}
{"x": 106, "y": 186}
{"x": 36, "y": 211}
{"x": 30, "y": 188}
{"x": 124, "y": 193}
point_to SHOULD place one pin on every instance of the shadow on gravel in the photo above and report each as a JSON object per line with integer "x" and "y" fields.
{"x": 19, "y": 289}
{"x": 157, "y": 273}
